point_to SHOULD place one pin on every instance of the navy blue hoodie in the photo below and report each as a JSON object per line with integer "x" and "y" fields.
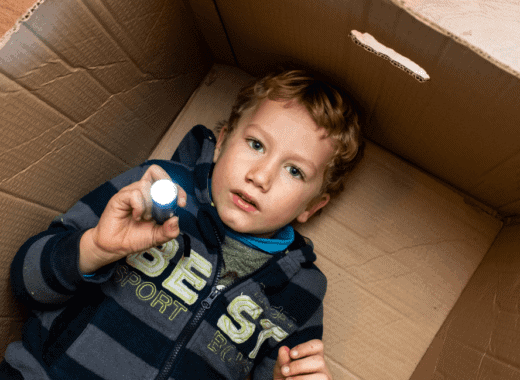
{"x": 158, "y": 314}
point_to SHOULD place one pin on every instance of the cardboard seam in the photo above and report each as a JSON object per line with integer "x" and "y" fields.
{"x": 102, "y": 148}
{"x": 500, "y": 163}
{"x": 343, "y": 368}
{"x": 72, "y": 69}
{"x": 27, "y": 201}
{"x": 28, "y": 142}
{"x": 113, "y": 97}
{"x": 485, "y": 354}
{"x": 228, "y": 38}
{"x": 38, "y": 99}
{"x": 112, "y": 37}
{"x": 103, "y": 27}
{"x": 510, "y": 221}
{"x": 450, "y": 321}
{"x": 53, "y": 151}
{"x": 180, "y": 116}
{"x": 151, "y": 29}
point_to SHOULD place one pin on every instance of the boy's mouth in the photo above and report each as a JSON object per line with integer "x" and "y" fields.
{"x": 244, "y": 202}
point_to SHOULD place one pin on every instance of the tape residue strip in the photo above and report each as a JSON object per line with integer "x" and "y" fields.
{"x": 370, "y": 44}
{"x": 16, "y": 27}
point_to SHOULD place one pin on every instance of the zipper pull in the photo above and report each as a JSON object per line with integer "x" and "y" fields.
{"x": 206, "y": 304}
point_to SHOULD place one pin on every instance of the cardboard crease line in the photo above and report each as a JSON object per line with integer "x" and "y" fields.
{"x": 151, "y": 30}
{"x": 32, "y": 140}
{"x": 17, "y": 197}
{"x": 53, "y": 151}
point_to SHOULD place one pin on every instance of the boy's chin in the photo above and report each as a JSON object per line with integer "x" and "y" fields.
{"x": 249, "y": 231}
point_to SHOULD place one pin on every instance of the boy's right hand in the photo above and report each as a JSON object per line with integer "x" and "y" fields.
{"x": 126, "y": 225}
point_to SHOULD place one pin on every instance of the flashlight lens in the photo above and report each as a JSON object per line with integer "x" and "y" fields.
{"x": 163, "y": 192}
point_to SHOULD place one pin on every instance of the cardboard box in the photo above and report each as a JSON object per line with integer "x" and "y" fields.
{"x": 420, "y": 249}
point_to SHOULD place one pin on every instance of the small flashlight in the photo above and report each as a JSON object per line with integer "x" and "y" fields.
{"x": 164, "y": 200}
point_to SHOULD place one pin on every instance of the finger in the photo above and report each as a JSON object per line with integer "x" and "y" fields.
{"x": 182, "y": 197}
{"x": 155, "y": 173}
{"x": 282, "y": 360}
{"x": 310, "y": 364}
{"x": 141, "y": 189}
{"x": 312, "y": 376}
{"x": 311, "y": 347}
{"x": 131, "y": 202}
{"x": 166, "y": 232}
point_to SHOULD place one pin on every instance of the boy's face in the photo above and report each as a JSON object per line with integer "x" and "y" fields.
{"x": 275, "y": 159}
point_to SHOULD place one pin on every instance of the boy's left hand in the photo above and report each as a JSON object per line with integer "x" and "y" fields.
{"x": 305, "y": 362}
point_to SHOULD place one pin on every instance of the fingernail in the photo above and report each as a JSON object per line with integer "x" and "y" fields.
{"x": 295, "y": 354}
{"x": 285, "y": 370}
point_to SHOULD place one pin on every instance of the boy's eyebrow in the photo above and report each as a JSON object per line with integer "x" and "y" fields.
{"x": 296, "y": 156}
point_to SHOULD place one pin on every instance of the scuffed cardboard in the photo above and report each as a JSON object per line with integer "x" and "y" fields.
{"x": 421, "y": 283}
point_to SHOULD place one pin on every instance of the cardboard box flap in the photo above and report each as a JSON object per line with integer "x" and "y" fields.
{"x": 488, "y": 28}
{"x": 461, "y": 125}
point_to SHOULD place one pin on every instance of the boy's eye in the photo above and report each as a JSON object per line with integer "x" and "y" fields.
{"x": 255, "y": 144}
{"x": 295, "y": 172}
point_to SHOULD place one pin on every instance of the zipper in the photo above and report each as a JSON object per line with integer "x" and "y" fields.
{"x": 205, "y": 304}
{"x": 192, "y": 327}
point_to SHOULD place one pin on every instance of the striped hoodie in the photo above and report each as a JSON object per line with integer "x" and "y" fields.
{"x": 159, "y": 314}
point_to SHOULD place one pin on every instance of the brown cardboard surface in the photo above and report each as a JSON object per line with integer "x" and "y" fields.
{"x": 488, "y": 28}
{"x": 482, "y": 327}
{"x": 398, "y": 248}
{"x": 210, "y": 25}
{"x": 45, "y": 159}
{"x": 460, "y": 126}
{"x": 87, "y": 89}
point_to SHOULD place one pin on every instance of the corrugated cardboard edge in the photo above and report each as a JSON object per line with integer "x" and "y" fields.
{"x": 4, "y": 39}
{"x": 370, "y": 44}
{"x": 401, "y": 4}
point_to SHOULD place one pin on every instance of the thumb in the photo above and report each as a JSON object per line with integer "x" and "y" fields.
{"x": 166, "y": 232}
{"x": 283, "y": 359}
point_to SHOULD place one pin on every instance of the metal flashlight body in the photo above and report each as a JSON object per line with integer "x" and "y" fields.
{"x": 164, "y": 200}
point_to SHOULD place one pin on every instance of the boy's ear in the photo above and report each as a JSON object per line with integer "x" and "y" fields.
{"x": 314, "y": 206}
{"x": 220, "y": 141}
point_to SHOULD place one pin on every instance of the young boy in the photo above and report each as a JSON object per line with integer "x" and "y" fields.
{"x": 220, "y": 291}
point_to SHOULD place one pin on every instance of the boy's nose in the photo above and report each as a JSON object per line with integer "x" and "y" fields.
{"x": 261, "y": 174}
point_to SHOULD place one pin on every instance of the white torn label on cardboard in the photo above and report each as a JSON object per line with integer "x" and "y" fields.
{"x": 370, "y": 44}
